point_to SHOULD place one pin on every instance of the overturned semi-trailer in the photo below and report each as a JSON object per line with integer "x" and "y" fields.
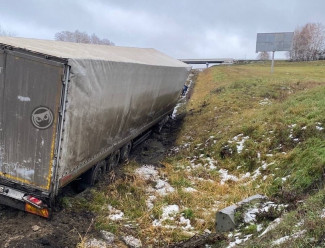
{"x": 66, "y": 108}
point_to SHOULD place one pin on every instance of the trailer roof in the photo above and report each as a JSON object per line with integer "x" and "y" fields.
{"x": 80, "y": 51}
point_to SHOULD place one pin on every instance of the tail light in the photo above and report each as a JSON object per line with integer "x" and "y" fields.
{"x": 44, "y": 212}
{"x": 36, "y": 206}
{"x": 33, "y": 201}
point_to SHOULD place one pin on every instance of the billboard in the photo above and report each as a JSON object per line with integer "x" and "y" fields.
{"x": 271, "y": 42}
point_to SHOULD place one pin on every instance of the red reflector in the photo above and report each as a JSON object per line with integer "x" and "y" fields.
{"x": 33, "y": 200}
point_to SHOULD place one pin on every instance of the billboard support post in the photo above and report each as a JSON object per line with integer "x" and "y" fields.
{"x": 272, "y": 64}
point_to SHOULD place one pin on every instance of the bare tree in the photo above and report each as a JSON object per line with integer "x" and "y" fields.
{"x": 308, "y": 42}
{"x": 81, "y": 37}
{"x": 5, "y": 33}
{"x": 263, "y": 56}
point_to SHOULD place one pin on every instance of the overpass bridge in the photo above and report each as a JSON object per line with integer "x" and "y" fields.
{"x": 207, "y": 61}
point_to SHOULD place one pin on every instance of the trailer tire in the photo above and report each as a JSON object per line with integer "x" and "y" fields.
{"x": 125, "y": 152}
{"x": 96, "y": 173}
{"x": 113, "y": 160}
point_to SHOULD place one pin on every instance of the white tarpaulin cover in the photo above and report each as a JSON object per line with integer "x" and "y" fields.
{"x": 114, "y": 94}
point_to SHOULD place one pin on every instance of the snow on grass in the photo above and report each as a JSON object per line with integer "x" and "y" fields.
{"x": 323, "y": 213}
{"x": 265, "y": 101}
{"x": 271, "y": 226}
{"x": 208, "y": 163}
{"x": 115, "y": 214}
{"x": 189, "y": 190}
{"x": 161, "y": 188}
{"x": 286, "y": 238}
{"x": 250, "y": 213}
{"x": 281, "y": 240}
{"x": 239, "y": 240}
{"x": 174, "y": 114}
{"x": 150, "y": 200}
{"x": 226, "y": 177}
{"x": 240, "y": 141}
{"x": 147, "y": 172}
{"x": 319, "y": 126}
{"x": 170, "y": 214}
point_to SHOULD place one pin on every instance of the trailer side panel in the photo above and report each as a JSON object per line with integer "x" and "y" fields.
{"x": 110, "y": 103}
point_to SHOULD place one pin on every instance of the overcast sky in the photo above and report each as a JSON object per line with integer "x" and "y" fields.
{"x": 180, "y": 28}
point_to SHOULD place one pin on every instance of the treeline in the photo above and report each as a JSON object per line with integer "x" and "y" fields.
{"x": 308, "y": 43}
{"x": 81, "y": 37}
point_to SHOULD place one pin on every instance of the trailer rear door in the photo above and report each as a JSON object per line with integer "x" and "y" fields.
{"x": 30, "y": 92}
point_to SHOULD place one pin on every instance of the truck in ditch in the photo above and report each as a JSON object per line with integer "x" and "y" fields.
{"x": 71, "y": 109}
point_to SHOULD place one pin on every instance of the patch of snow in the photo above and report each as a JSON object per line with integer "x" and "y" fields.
{"x": 147, "y": 172}
{"x": 247, "y": 175}
{"x": 225, "y": 176}
{"x": 240, "y": 144}
{"x": 212, "y": 163}
{"x": 163, "y": 188}
{"x": 256, "y": 173}
{"x": 185, "y": 223}
{"x": 250, "y": 215}
{"x": 239, "y": 241}
{"x": 259, "y": 227}
{"x": 169, "y": 211}
{"x": 323, "y": 213}
{"x": 286, "y": 238}
{"x": 281, "y": 240}
{"x": 189, "y": 190}
{"x": 174, "y": 114}
{"x": 149, "y": 201}
{"x": 270, "y": 227}
{"x": 115, "y": 214}
{"x": 95, "y": 243}
{"x": 285, "y": 178}
{"x": 319, "y": 128}
{"x": 265, "y": 101}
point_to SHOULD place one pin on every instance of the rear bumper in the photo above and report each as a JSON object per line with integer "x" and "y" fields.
{"x": 21, "y": 200}
{"x": 11, "y": 193}
{"x": 5, "y": 200}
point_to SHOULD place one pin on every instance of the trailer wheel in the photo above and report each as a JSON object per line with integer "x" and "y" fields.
{"x": 94, "y": 175}
{"x": 113, "y": 160}
{"x": 125, "y": 152}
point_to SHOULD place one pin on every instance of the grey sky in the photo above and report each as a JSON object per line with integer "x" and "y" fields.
{"x": 180, "y": 28}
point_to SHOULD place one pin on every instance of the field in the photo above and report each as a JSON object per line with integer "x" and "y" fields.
{"x": 243, "y": 131}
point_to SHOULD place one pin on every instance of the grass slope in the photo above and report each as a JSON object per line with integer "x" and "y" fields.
{"x": 245, "y": 132}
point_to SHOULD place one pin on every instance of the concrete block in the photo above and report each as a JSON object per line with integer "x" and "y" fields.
{"x": 225, "y": 218}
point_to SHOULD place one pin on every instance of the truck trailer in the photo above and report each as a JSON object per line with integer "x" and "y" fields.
{"x": 72, "y": 110}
